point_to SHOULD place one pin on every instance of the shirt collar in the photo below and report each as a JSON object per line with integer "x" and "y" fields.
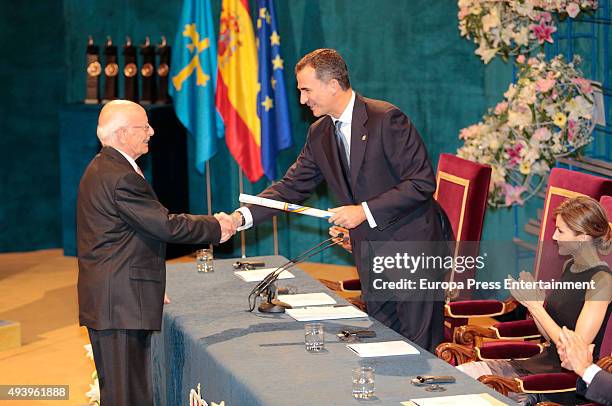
{"x": 347, "y": 115}
{"x": 129, "y": 159}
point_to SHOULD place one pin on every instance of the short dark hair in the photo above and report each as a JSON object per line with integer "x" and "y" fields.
{"x": 328, "y": 65}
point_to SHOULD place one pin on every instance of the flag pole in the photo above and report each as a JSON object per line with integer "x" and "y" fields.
{"x": 275, "y": 229}
{"x": 242, "y": 236}
{"x": 208, "y": 195}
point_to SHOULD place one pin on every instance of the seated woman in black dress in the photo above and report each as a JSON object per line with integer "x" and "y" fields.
{"x": 582, "y": 232}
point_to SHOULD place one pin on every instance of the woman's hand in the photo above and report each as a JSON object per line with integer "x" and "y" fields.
{"x": 527, "y": 293}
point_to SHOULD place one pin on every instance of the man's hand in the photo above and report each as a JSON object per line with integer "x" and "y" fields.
{"x": 346, "y": 242}
{"x": 575, "y": 354}
{"x": 228, "y": 228}
{"x": 236, "y": 218}
{"x": 166, "y": 299}
{"x": 348, "y": 216}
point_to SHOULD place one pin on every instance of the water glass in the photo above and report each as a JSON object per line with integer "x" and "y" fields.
{"x": 314, "y": 337}
{"x": 363, "y": 382}
{"x": 204, "y": 260}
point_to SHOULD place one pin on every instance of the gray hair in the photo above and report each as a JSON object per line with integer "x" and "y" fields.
{"x": 113, "y": 117}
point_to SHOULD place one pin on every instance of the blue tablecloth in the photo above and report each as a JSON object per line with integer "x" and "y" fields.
{"x": 252, "y": 359}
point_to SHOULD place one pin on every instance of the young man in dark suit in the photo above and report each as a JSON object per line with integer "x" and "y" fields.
{"x": 122, "y": 231}
{"x": 372, "y": 157}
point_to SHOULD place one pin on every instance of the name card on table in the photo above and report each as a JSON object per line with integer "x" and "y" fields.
{"x": 383, "y": 349}
{"x": 257, "y": 275}
{"x": 307, "y": 299}
{"x": 325, "y": 313}
{"x": 479, "y": 399}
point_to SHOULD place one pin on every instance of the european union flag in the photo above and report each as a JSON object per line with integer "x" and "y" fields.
{"x": 272, "y": 99}
{"x": 193, "y": 78}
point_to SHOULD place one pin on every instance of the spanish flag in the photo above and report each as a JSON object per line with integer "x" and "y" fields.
{"x": 236, "y": 95}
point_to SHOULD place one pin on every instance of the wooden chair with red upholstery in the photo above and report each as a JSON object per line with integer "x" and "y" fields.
{"x": 510, "y": 338}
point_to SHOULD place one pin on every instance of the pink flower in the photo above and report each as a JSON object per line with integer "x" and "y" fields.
{"x": 542, "y": 134}
{"x": 501, "y": 107}
{"x": 532, "y": 61}
{"x": 585, "y": 85}
{"x": 571, "y": 129}
{"x": 463, "y": 11}
{"x": 545, "y": 16}
{"x": 520, "y": 59}
{"x": 515, "y": 154}
{"x": 513, "y": 194}
{"x": 572, "y": 10}
{"x": 543, "y": 31}
{"x": 544, "y": 85}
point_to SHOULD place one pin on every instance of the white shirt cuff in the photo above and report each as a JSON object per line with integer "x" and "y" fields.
{"x": 590, "y": 373}
{"x": 248, "y": 218}
{"x": 369, "y": 216}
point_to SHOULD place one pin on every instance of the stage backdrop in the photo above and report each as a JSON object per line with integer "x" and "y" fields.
{"x": 409, "y": 53}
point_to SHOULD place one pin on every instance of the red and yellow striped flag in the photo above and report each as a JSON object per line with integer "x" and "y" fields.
{"x": 236, "y": 96}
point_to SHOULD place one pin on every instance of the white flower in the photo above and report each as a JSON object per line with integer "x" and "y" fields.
{"x": 519, "y": 118}
{"x": 89, "y": 351}
{"x": 527, "y": 94}
{"x": 579, "y": 107}
{"x": 94, "y": 393}
{"x": 524, "y": 9}
{"x": 510, "y": 92}
{"x": 491, "y": 20}
{"x": 522, "y": 36}
{"x": 572, "y": 10}
{"x": 485, "y": 53}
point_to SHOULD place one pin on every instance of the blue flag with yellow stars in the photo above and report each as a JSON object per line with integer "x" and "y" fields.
{"x": 193, "y": 77}
{"x": 272, "y": 98}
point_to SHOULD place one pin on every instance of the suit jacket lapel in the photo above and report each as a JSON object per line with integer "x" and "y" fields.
{"x": 359, "y": 138}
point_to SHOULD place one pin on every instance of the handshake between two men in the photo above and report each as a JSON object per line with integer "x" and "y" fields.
{"x": 344, "y": 219}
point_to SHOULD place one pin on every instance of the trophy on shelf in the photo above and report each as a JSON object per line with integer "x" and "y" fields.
{"x": 163, "y": 69}
{"x": 92, "y": 92}
{"x": 130, "y": 71}
{"x": 148, "y": 72}
{"x": 111, "y": 69}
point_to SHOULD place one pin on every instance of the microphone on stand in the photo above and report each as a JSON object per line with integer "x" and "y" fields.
{"x": 267, "y": 284}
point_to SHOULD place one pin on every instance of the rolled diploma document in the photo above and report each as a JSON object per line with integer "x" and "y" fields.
{"x": 290, "y": 207}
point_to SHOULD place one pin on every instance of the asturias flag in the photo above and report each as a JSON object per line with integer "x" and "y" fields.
{"x": 193, "y": 74}
{"x": 236, "y": 96}
{"x": 272, "y": 107}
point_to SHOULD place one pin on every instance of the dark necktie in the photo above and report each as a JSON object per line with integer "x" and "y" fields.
{"x": 340, "y": 141}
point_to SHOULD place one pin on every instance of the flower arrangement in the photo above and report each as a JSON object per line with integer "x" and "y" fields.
{"x": 94, "y": 389}
{"x": 546, "y": 115}
{"x": 514, "y": 27}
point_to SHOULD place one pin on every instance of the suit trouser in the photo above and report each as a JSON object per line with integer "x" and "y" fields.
{"x": 123, "y": 362}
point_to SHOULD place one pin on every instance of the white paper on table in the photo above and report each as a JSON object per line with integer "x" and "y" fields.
{"x": 257, "y": 275}
{"x": 289, "y": 207}
{"x": 481, "y": 399}
{"x": 307, "y": 299}
{"x": 382, "y": 349}
{"x": 325, "y": 313}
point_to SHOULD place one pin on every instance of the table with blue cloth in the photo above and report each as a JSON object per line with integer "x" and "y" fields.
{"x": 209, "y": 337}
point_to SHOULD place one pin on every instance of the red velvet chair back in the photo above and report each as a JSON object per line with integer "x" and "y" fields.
{"x": 459, "y": 182}
{"x": 606, "y": 346}
{"x": 562, "y": 185}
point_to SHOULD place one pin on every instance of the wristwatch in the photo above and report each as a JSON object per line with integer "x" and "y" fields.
{"x": 243, "y": 220}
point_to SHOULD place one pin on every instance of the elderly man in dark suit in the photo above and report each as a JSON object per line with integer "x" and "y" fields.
{"x": 594, "y": 384}
{"x": 375, "y": 162}
{"x": 122, "y": 231}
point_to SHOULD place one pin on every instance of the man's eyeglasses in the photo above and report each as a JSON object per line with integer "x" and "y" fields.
{"x": 146, "y": 127}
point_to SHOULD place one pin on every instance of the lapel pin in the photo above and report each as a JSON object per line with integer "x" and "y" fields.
{"x": 363, "y": 137}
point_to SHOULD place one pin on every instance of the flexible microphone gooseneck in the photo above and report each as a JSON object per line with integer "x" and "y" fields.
{"x": 269, "y": 280}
